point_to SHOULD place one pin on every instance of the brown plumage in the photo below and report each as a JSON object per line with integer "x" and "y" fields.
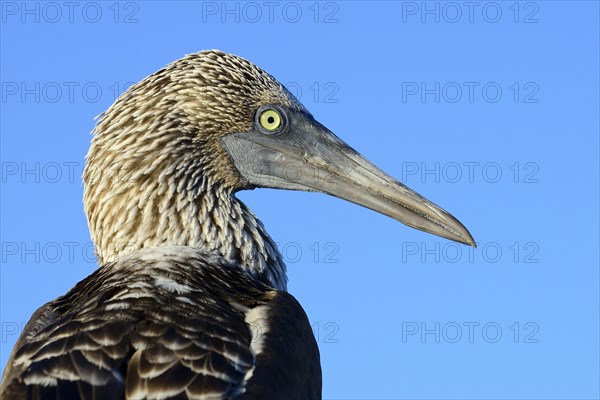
{"x": 190, "y": 300}
{"x": 168, "y": 323}
{"x": 157, "y": 174}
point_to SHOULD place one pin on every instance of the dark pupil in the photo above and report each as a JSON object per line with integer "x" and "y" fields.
{"x": 270, "y": 120}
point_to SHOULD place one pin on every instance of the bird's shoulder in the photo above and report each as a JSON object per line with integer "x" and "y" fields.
{"x": 169, "y": 322}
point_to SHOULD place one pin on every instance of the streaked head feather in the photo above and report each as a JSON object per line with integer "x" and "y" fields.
{"x": 157, "y": 173}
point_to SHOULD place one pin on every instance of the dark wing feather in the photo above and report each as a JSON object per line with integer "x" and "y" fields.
{"x": 165, "y": 326}
{"x": 70, "y": 351}
{"x": 291, "y": 367}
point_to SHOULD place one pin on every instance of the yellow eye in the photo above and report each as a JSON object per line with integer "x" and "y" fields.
{"x": 270, "y": 119}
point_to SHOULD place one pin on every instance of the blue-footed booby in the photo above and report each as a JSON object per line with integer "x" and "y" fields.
{"x": 190, "y": 300}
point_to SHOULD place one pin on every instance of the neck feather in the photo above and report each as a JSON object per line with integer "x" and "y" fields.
{"x": 155, "y": 210}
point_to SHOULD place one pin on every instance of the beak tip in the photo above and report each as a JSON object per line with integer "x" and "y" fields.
{"x": 453, "y": 229}
{"x": 471, "y": 242}
{"x": 468, "y": 239}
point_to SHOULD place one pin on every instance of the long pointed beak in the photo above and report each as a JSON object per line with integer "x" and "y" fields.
{"x": 310, "y": 157}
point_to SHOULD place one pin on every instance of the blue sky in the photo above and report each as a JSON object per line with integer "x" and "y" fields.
{"x": 490, "y": 109}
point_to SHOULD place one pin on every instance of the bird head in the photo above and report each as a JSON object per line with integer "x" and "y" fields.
{"x": 213, "y": 121}
{"x": 284, "y": 147}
